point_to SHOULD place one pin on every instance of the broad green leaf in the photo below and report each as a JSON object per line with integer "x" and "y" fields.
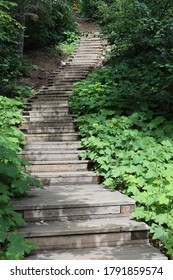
{"x": 159, "y": 233}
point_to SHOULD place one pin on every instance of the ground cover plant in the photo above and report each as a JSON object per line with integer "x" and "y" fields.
{"x": 125, "y": 109}
{"x": 14, "y": 181}
{"x": 132, "y": 151}
{"x": 69, "y": 43}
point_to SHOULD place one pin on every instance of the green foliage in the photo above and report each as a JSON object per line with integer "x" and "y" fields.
{"x": 8, "y": 27}
{"x": 69, "y": 44}
{"x": 35, "y": 25}
{"x": 14, "y": 181}
{"x": 127, "y": 130}
{"x": 94, "y": 9}
{"x": 9, "y": 62}
{"x": 11, "y": 67}
{"x": 10, "y": 117}
{"x": 52, "y": 19}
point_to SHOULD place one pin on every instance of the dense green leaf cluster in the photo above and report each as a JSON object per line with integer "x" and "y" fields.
{"x": 14, "y": 181}
{"x": 47, "y": 22}
{"x": 66, "y": 47}
{"x": 125, "y": 108}
{"x": 131, "y": 146}
{"x": 9, "y": 63}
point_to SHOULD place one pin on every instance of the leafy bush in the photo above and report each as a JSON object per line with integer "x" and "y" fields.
{"x": 68, "y": 45}
{"x": 14, "y": 181}
{"x": 95, "y": 9}
{"x": 9, "y": 62}
{"x": 127, "y": 132}
{"x": 54, "y": 18}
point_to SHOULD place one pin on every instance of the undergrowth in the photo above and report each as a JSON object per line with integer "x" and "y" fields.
{"x": 14, "y": 181}
{"x": 69, "y": 43}
{"x": 128, "y": 135}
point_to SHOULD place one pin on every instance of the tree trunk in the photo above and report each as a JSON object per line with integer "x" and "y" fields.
{"x": 22, "y": 19}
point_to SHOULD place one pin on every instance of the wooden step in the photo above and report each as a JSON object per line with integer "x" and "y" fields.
{"x": 54, "y": 96}
{"x": 62, "y": 88}
{"x": 75, "y": 74}
{"x": 77, "y": 68}
{"x": 51, "y": 154}
{"x": 31, "y": 147}
{"x": 47, "y": 114}
{"x": 57, "y": 124}
{"x": 125, "y": 252}
{"x": 47, "y": 129}
{"x": 49, "y": 118}
{"x": 86, "y": 233}
{"x": 48, "y": 101}
{"x": 58, "y": 99}
{"x": 66, "y": 177}
{"x": 46, "y": 106}
{"x": 52, "y": 137}
{"x": 57, "y": 166}
{"x": 45, "y": 109}
{"x": 73, "y": 202}
{"x": 53, "y": 91}
{"x": 70, "y": 76}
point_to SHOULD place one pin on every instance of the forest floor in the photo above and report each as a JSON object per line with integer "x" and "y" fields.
{"x": 43, "y": 63}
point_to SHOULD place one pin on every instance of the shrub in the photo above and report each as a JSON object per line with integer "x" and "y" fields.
{"x": 127, "y": 132}
{"x": 14, "y": 181}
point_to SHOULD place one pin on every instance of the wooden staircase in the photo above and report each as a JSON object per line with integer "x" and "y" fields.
{"x": 74, "y": 217}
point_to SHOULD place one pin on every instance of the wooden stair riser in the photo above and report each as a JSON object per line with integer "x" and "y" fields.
{"x": 48, "y": 103}
{"x": 65, "y": 124}
{"x": 75, "y": 202}
{"x": 90, "y": 240}
{"x": 51, "y": 154}
{"x": 53, "y": 91}
{"x": 51, "y": 97}
{"x": 68, "y": 180}
{"x": 64, "y": 83}
{"x": 49, "y": 130}
{"x": 76, "y": 213}
{"x": 45, "y": 105}
{"x": 47, "y": 114}
{"x": 45, "y": 99}
{"x": 85, "y": 51}
{"x": 47, "y": 110}
{"x": 54, "y": 96}
{"x": 69, "y": 75}
{"x": 53, "y": 137}
{"x": 46, "y": 118}
{"x": 85, "y": 43}
{"x": 84, "y": 61}
{"x": 54, "y": 147}
{"x": 57, "y": 167}
{"x": 68, "y": 78}
{"x": 57, "y": 118}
